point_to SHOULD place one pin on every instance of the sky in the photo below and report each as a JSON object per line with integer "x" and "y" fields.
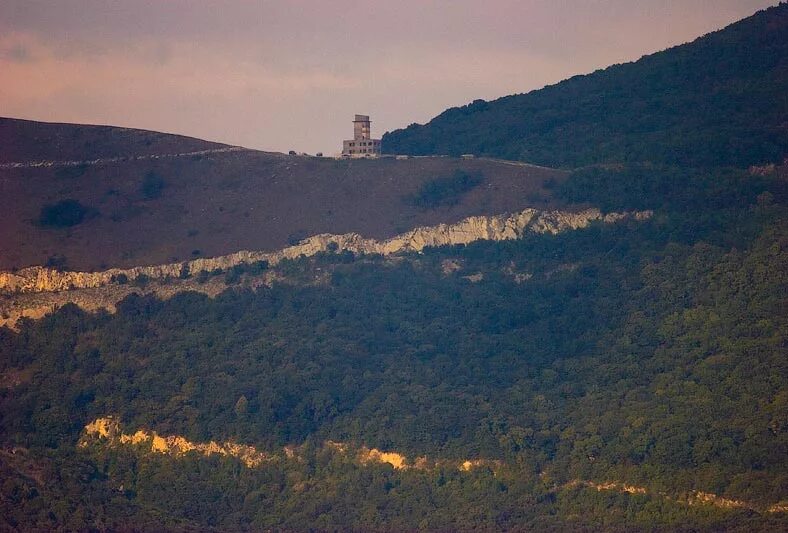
{"x": 290, "y": 75}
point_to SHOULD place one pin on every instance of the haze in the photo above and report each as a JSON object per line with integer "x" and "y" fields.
{"x": 290, "y": 75}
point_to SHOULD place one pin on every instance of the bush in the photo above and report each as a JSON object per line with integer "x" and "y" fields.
{"x": 258, "y": 267}
{"x": 56, "y": 261}
{"x": 152, "y": 185}
{"x": 445, "y": 191}
{"x": 233, "y": 275}
{"x": 296, "y": 237}
{"x": 64, "y": 214}
{"x": 71, "y": 172}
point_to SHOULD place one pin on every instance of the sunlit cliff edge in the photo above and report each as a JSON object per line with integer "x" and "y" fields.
{"x": 107, "y": 431}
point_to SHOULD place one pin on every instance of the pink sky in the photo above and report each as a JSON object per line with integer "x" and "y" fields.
{"x": 290, "y": 75}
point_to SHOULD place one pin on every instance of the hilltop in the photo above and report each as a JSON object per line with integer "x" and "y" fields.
{"x": 143, "y": 198}
{"x": 720, "y": 100}
{"x": 30, "y": 141}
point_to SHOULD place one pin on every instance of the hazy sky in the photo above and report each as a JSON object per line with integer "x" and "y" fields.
{"x": 281, "y": 75}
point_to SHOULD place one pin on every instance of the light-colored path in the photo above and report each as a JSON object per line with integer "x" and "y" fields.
{"x": 47, "y": 164}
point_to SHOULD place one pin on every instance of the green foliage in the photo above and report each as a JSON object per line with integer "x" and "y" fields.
{"x": 664, "y": 188}
{"x": 445, "y": 191}
{"x": 64, "y": 214}
{"x": 647, "y": 352}
{"x": 717, "y": 101}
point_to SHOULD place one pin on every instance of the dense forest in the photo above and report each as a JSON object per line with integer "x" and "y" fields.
{"x": 649, "y": 352}
{"x": 720, "y": 100}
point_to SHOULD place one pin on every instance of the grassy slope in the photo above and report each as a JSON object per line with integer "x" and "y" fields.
{"x": 221, "y": 202}
{"x": 27, "y": 140}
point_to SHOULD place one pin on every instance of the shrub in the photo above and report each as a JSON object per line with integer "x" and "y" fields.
{"x": 56, "y": 261}
{"x": 152, "y": 185}
{"x": 64, "y": 214}
{"x": 71, "y": 172}
{"x": 233, "y": 275}
{"x": 256, "y": 268}
{"x": 445, "y": 191}
{"x": 296, "y": 237}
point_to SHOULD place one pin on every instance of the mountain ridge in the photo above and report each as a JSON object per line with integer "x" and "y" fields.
{"x": 718, "y": 100}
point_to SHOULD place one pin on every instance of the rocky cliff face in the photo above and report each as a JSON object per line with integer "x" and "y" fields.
{"x": 107, "y": 431}
{"x": 497, "y": 228}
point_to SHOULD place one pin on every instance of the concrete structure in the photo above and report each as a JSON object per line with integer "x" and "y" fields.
{"x": 362, "y": 144}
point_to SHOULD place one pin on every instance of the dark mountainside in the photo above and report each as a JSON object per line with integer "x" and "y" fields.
{"x": 617, "y": 377}
{"x": 720, "y": 100}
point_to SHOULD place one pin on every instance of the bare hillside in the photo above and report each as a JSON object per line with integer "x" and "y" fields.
{"x": 144, "y": 198}
{"x": 30, "y": 141}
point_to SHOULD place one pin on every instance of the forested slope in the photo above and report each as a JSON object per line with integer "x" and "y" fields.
{"x": 648, "y": 353}
{"x": 720, "y": 100}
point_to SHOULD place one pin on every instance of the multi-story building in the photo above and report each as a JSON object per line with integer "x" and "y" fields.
{"x": 362, "y": 144}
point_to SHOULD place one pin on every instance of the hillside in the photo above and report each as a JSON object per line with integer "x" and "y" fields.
{"x": 720, "y": 100}
{"x": 31, "y": 141}
{"x": 264, "y": 342}
{"x": 618, "y": 377}
{"x": 146, "y": 198}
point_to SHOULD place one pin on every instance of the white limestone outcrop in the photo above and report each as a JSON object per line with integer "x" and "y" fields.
{"x": 495, "y": 227}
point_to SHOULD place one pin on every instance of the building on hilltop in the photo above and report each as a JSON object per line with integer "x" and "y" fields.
{"x": 362, "y": 144}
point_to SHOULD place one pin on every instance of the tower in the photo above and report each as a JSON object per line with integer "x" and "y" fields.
{"x": 362, "y": 144}
{"x": 361, "y": 128}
